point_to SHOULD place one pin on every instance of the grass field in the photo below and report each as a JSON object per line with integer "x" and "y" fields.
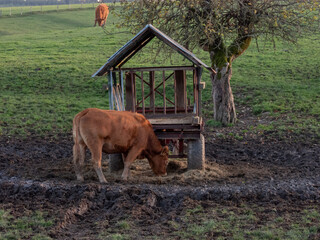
{"x": 46, "y": 63}
{"x": 23, "y": 10}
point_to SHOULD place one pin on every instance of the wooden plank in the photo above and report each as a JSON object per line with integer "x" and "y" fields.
{"x": 133, "y": 52}
{"x": 116, "y": 100}
{"x": 178, "y": 156}
{"x": 175, "y": 93}
{"x": 111, "y": 105}
{"x": 169, "y": 110}
{"x": 164, "y": 91}
{"x": 142, "y": 94}
{"x": 130, "y": 100}
{"x": 199, "y": 74}
{"x": 134, "y": 94}
{"x": 181, "y": 89}
{"x": 175, "y": 126}
{"x": 122, "y": 89}
{"x": 152, "y": 92}
{"x": 195, "y": 91}
{"x": 178, "y": 135}
{"x": 165, "y": 68}
{"x": 183, "y": 120}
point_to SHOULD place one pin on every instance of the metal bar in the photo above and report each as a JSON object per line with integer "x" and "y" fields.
{"x": 164, "y": 91}
{"x": 142, "y": 94}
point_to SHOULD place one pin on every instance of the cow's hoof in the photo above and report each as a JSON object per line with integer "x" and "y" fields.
{"x": 125, "y": 178}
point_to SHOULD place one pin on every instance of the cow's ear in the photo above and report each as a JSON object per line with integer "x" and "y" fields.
{"x": 165, "y": 151}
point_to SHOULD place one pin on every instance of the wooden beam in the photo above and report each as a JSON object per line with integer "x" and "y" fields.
{"x": 142, "y": 94}
{"x": 174, "y": 120}
{"x": 175, "y": 94}
{"x": 131, "y": 54}
{"x": 111, "y": 105}
{"x": 122, "y": 89}
{"x": 165, "y": 68}
{"x": 199, "y": 74}
{"x": 130, "y": 99}
{"x": 164, "y": 91}
{"x": 134, "y": 95}
{"x": 152, "y": 92}
{"x": 181, "y": 88}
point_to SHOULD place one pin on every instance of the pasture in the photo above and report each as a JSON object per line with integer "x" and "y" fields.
{"x": 262, "y": 176}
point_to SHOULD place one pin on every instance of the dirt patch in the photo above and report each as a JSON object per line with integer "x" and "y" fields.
{"x": 37, "y": 174}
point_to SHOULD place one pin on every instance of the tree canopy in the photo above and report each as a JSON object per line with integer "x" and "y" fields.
{"x": 224, "y": 28}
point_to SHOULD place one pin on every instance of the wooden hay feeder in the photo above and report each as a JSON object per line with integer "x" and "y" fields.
{"x": 161, "y": 94}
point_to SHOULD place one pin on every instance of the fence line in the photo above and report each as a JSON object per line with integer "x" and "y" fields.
{"x": 11, "y": 11}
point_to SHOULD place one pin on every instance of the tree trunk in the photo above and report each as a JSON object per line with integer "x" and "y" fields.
{"x": 224, "y": 109}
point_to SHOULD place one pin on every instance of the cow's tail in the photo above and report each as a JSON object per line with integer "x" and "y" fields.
{"x": 77, "y": 135}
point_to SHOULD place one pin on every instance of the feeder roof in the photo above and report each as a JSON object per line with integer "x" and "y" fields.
{"x": 138, "y": 42}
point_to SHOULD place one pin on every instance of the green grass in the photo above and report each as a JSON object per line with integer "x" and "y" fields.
{"x": 247, "y": 223}
{"x": 30, "y": 226}
{"x": 47, "y": 59}
{"x": 225, "y": 222}
{"x": 23, "y": 10}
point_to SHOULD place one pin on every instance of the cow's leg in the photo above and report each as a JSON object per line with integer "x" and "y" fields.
{"x": 132, "y": 155}
{"x": 96, "y": 153}
{"x": 103, "y": 23}
{"x": 95, "y": 23}
{"x": 79, "y": 154}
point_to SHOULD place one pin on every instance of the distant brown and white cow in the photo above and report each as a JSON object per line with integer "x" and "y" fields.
{"x": 102, "y": 12}
{"x": 116, "y": 132}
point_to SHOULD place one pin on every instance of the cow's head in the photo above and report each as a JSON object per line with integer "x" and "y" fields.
{"x": 159, "y": 162}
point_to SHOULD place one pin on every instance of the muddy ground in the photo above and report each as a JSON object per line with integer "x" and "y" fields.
{"x": 37, "y": 174}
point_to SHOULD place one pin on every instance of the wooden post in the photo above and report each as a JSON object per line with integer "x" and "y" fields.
{"x": 142, "y": 95}
{"x": 152, "y": 93}
{"x": 199, "y": 73}
{"x": 130, "y": 92}
{"x": 110, "y": 90}
{"x": 195, "y": 91}
{"x": 175, "y": 93}
{"x": 122, "y": 89}
{"x": 134, "y": 95}
{"x": 164, "y": 91}
{"x": 181, "y": 89}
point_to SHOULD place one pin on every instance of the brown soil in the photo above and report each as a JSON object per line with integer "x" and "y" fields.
{"x": 37, "y": 174}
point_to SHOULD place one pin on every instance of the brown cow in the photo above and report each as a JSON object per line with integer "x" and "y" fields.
{"x": 102, "y": 12}
{"x": 116, "y": 132}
